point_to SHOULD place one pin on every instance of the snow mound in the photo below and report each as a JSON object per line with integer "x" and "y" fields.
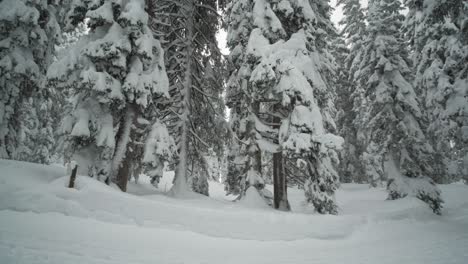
{"x": 252, "y": 199}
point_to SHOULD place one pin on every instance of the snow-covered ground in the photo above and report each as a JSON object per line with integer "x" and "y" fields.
{"x": 42, "y": 221}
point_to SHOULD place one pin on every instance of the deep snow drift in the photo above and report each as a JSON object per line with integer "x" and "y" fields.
{"x": 42, "y": 221}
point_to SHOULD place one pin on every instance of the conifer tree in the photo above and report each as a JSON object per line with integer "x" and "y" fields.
{"x": 28, "y": 33}
{"x": 437, "y": 32}
{"x": 396, "y": 146}
{"x": 353, "y": 31}
{"x": 245, "y": 156}
{"x": 195, "y": 112}
{"x": 281, "y": 71}
{"x": 115, "y": 74}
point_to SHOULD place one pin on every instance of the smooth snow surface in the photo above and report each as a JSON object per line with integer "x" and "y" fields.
{"x": 42, "y": 221}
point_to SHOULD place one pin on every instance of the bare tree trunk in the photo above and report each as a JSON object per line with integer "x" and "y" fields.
{"x": 123, "y": 173}
{"x": 280, "y": 189}
{"x": 121, "y": 163}
{"x": 181, "y": 178}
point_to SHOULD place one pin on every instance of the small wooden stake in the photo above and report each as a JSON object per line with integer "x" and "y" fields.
{"x": 71, "y": 184}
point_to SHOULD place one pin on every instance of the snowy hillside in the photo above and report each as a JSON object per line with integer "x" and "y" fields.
{"x": 42, "y": 221}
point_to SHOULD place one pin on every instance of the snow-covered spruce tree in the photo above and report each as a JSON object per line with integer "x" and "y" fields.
{"x": 354, "y": 30}
{"x": 195, "y": 115}
{"x": 115, "y": 74}
{"x": 245, "y": 168}
{"x": 60, "y": 97}
{"x": 28, "y": 33}
{"x": 322, "y": 191}
{"x": 396, "y": 146}
{"x": 280, "y": 68}
{"x": 348, "y": 161}
{"x": 331, "y": 51}
{"x": 324, "y": 36}
{"x": 437, "y": 32}
{"x": 350, "y": 96}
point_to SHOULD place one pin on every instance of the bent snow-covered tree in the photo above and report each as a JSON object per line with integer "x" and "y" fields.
{"x": 396, "y": 146}
{"x": 115, "y": 74}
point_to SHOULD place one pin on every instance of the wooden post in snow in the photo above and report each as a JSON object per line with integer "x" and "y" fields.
{"x": 71, "y": 184}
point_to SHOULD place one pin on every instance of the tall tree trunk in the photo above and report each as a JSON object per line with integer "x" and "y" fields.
{"x": 123, "y": 173}
{"x": 280, "y": 189}
{"x": 121, "y": 162}
{"x": 181, "y": 178}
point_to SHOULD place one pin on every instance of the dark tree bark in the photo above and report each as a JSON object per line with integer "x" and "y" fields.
{"x": 123, "y": 173}
{"x": 280, "y": 189}
{"x": 71, "y": 184}
{"x": 124, "y": 168}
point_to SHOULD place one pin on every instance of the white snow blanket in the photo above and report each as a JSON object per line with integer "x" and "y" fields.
{"x": 42, "y": 221}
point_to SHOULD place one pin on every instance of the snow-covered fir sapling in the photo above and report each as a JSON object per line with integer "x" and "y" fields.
{"x": 114, "y": 73}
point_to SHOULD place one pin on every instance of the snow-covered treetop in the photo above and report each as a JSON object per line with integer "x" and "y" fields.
{"x": 354, "y": 27}
{"x": 119, "y": 59}
{"x": 389, "y": 67}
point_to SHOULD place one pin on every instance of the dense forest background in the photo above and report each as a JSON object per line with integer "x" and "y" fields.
{"x": 125, "y": 87}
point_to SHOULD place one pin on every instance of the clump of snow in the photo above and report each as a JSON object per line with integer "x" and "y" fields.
{"x": 265, "y": 18}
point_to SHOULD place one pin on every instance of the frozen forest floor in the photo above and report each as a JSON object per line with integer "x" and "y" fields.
{"x": 42, "y": 221}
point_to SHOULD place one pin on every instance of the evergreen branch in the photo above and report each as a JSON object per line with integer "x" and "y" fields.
{"x": 197, "y": 137}
{"x": 209, "y": 8}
